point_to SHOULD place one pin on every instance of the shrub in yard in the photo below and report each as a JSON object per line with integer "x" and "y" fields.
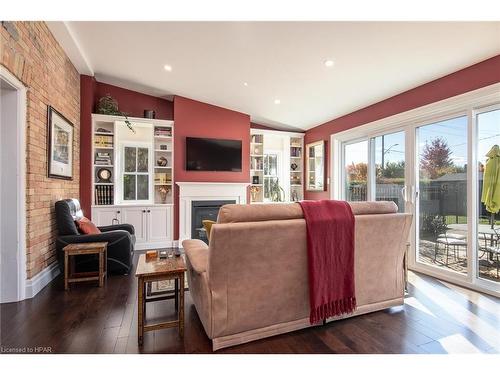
{"x": 433, "y": 225}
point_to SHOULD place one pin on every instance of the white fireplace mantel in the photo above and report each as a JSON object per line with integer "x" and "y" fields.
{"x": 199, "y": 191}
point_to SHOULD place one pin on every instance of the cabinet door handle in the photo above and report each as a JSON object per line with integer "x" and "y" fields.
{"x": 143, "y": 211}
{"x": 149, "y": 211}
{"x": 117, "y": 212}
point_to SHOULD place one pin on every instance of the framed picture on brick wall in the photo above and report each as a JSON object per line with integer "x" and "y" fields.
{"x": 60, "y": 145}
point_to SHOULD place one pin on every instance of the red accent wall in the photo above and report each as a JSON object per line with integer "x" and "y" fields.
{"x": 471, "y": 78}
{"x": 197, "y": 119}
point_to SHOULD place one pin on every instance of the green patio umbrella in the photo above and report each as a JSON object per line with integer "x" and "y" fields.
{"x": 491, "y": 182}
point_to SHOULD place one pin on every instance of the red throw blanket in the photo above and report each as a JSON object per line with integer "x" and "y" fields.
{"x": 330, "y": 249}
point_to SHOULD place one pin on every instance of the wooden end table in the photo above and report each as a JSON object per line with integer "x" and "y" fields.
{"x": 72, "y": 250}
{"x": 158, "y": 270}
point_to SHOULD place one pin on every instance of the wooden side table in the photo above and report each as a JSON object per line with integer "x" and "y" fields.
{"x": 72, "y": 250}
{"x": 158, "y": 270}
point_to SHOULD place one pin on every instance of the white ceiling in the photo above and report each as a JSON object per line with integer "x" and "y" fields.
{"x": 279, "y": 60}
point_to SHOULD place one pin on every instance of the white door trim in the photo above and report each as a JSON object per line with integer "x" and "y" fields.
{"x": 21, "y": 179}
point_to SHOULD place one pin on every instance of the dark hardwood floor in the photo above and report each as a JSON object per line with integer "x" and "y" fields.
{"x": 436, "y": 318}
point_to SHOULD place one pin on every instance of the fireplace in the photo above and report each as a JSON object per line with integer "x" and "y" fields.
{"x": 204, "y": 210}
{"x": 189, "y": 192}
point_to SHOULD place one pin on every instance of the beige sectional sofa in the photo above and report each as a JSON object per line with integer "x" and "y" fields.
{"x": 252, "y": 281}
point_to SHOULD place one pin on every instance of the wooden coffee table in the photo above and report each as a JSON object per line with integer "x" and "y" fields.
{"x": 158, "y": 270}
{"x": 72, "y": 250}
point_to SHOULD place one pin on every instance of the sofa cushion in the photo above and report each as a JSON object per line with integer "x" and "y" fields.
{"x": 240, "y": 213}
{"x": 197, "y": 253}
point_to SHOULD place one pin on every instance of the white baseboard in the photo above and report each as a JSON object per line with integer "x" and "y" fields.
{"x": 40, "y": 281}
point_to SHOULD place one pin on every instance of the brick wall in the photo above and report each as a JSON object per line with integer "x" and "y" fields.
{"x": 30, "y": 52}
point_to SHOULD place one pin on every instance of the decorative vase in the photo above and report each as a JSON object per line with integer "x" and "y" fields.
{"x": 162, "y": 161}
{"x": 164, "y": 190}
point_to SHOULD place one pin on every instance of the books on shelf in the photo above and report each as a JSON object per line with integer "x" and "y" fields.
{"x": 162, "y": 178}
{"x": 295, "y": 152}
{"x": 257, "y": 138}
{"x": 163, "y": 131}
{"x": 103, "y": 141}
{"x": 103, "y": 194}
{"x": 257, "y": 163}
{"x": 103, "y": 130}
{"x": 103, "y": 158}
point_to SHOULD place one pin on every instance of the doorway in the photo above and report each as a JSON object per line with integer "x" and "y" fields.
{"x": 12, "y": 188}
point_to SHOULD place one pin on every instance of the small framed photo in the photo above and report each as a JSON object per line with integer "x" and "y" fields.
{"x": 60, "y": 145}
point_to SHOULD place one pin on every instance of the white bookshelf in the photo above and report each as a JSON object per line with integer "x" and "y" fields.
{"x": 291, "y": 152}
{"x": 152, "y": 218}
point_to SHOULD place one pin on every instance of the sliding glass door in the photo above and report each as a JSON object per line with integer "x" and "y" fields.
{"x": 439, "y": 169}
{"x": 488, "y": 222}
{"x": 442, "y": 194}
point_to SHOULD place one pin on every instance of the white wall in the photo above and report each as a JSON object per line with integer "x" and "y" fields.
{"x": 9, "y": 222}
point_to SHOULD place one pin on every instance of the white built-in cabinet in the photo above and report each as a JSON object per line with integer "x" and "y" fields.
{"x": 276, "y": 157}
{"x": 140, "y": 162}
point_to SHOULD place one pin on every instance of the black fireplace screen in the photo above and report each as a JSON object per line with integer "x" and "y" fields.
{"x": 204, "y": 210}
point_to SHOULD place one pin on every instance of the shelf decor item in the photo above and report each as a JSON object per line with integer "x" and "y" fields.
{"x": 104, "y": 175}
{"x": 294, "y": 166}
{"x": 162, "y": 161}
{"x": 255, "y": 180}
{"x": 109, "y": 106}
{"x": 254, "y": 192}
{"x": 164, "y": 147}
{"x": 60, "y": 145}
{"x": 149, "y": 113}
{"x": 164, "y": 191}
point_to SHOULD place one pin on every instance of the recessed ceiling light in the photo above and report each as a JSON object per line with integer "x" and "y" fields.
{"x": 167, "y": 67}
{"x": 245, "y": 83}
{"x": 277, "y": 101}
{"x": 329, "y": 63}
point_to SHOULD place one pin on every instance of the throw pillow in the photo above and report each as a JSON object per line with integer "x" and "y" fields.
{"x": 87, "y": 227}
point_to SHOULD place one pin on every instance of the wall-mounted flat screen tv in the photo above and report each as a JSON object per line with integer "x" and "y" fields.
{"x": 210, "y": 154}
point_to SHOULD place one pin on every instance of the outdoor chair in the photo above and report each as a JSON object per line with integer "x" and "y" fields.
{"x": 450, "y": 240}
{"x": 490, "y": 246}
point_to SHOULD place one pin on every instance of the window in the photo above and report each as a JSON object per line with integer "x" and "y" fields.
{"x": 135, "y": 173}
{"x": 273, "y": 192}
{"x": 356, "y": 171}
